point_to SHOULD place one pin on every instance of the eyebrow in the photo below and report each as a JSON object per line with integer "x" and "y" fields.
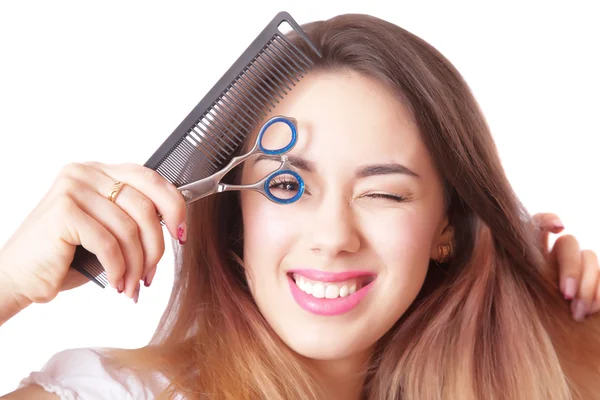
{"x": 385, "y": 169}
{"x": 295, "y": 161}
{"x": 362, "y": 172}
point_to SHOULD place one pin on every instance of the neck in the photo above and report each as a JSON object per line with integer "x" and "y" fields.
{"x": 343, "y": 379}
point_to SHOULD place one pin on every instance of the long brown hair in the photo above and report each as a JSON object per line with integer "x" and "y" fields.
{"x": 489, "y": 324}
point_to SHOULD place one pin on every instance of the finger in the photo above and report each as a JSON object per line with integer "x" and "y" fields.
{"x": 81, "y": 229}
{"x": 143, "y": 212}
{"x": 121, "y": 226}
{"x": 591, "y": 258}
{"x": 587, "y": 287}
{"x": 566, "y": 252}
{"x": 168, "y": 200}
{"x": 135, "y": 204}
{"x": 548, "y": 223}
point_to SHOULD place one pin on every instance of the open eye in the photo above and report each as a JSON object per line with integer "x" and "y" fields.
{"x": 285, "y": 183}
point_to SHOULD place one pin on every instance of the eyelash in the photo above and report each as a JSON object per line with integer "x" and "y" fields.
{"x": 275, "y": 183}
{"x": 387, "y": 196}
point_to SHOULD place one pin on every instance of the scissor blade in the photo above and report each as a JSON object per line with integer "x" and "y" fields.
{"x": 196, "y": 190}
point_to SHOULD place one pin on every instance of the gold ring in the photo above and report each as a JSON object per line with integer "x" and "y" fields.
{"x": 114, "y": 191}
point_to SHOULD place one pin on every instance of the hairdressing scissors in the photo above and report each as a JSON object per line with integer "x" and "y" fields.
{"x": 204, "y": 187}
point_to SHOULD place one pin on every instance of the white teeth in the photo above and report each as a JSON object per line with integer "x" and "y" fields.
{"x": 344, "y": 291}
{"x": 308, "y": 287}
{"x": 332, "y": 291}
{"x": 327, "y": 290}
{"x": 352, "y": 288}
{"x": 318, "y": 290}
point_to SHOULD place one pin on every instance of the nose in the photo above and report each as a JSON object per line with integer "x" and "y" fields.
{"x": 334, "y": 230}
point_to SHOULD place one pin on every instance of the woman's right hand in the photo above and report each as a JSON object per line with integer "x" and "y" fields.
{"x": 126, "y": 235}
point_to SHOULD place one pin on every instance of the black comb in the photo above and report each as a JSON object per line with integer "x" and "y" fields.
{"x": 208, "y": 137}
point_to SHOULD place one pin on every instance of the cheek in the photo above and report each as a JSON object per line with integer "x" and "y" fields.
{"x": 266, "y": 235}
{"x": 402, "y": 241}
{"x": 401, "y": 230}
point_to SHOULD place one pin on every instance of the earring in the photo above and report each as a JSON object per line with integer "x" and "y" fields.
{"x": 445, "y": 252}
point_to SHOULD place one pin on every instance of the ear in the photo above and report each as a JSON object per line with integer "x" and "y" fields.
{"x": 444, "y": 235}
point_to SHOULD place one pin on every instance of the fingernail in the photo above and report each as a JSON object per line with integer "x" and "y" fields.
{"x": 181, "y": 233}
{"x": 557, "y": 224}
{"x": 149, "y": 277}
{"x": 579, "y": 309}
{"x": 136, "y": 294}
{"x": 570, "y": 288}
{"x": 121, "y": 285}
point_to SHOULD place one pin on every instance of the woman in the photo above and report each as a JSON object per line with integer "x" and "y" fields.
{"x": 408, "y": 269}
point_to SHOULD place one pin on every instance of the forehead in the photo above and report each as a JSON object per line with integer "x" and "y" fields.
{"x": 351, "y": 114}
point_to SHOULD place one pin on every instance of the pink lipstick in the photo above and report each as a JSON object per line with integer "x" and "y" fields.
{"x": 342, "y": 303}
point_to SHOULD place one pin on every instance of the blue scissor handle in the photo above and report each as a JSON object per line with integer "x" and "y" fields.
{"x": 283, "y": 149}
{"x": 296, "y": 197}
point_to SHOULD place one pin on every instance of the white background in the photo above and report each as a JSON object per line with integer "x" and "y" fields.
{"x": 109, "y": 81}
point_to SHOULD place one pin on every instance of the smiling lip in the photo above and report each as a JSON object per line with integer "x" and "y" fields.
{"x": 322, "y": 276}
{"x": 324, "y": 306}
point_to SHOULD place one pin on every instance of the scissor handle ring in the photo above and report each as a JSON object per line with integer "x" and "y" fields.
{"x": 296, "y": 197}
{"x": 283, "y": 149}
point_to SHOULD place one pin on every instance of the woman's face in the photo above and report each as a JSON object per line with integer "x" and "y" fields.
{"x": 334, "y": 271}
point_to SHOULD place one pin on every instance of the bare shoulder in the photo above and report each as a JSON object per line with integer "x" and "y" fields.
{"x": 30, "y": 392}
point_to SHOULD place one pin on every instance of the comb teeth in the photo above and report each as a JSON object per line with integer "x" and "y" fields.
{"x": 215, "y": 137}
{"x": 89, "y": 266}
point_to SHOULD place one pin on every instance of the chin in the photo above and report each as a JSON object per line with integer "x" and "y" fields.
{"x": 325, "y": 348}
{"x": 322, "y": 337}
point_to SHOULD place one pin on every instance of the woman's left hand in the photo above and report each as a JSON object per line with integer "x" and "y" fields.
{"x": 579, "y": 272}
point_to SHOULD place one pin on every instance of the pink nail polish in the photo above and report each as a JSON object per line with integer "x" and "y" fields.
{"x": 121, "y": 285}
{"x": 149, "y": 277}
{"x": 181, "y": 233}
{"x": 557, "y": 225}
